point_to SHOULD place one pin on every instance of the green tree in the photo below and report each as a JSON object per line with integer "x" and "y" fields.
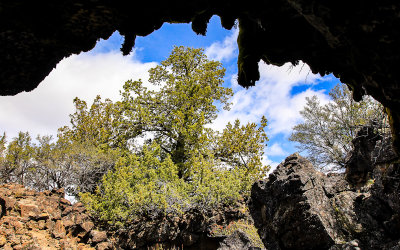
{"x": 242, "y": 147}
{"x": 328, "y": 130}
{"x": 142, "y": 184}
{"x": 3, "y": 162}
{"x": 97, "y": 125}
{"x": 183, "y": 162}
{"x": 18, "y": 159}
{"x": 177, "y": 113}
{"x": 45, "y": 165}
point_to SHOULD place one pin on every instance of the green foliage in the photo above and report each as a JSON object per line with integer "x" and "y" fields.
{"x": 97, "y": 125}
{"x": 211, "y": 185}
{"x": 241, "y": 146}
{"x": 176, "y": 113}
{"x": 76, "y": 161}
{"x": 16, "y": 162}
{"x": 328, "y": 130}
{"x": 149, "y": 185}
{"x": 248, "y": 228}
{"x": 182, "y": 164}
{"x": 139, "y": 185}
{"x": 185, "y": 163}
{"x": 47, "y": 165}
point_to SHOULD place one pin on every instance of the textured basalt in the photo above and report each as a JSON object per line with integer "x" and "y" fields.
{"x": 358, "y": 41}
{"x": 46, "y": 220}
{"x": 301, "y": 208}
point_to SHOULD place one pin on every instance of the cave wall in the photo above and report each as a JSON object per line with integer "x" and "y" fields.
{"x": 358, "y": 41}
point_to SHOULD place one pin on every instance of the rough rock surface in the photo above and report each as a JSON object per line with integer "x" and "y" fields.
{"x": 236, "y": 241}
{"x": 301, "y": 208}
{"x": 45, "y": 220}
{"x": 192, "y": 230}
{"x": 370, "y": 149}
{"x": 359, "y": 41}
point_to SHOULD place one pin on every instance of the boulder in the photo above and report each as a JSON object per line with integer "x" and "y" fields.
{"x": 236, "y": 241}
{"x": 292, "y": 210}
{"x": 299, "y": 207}
{"x": 58, "y": 230}
{"x": 98, "y": 236}
{"x": 29, "y": 210}
{"x": 370, "y": 149}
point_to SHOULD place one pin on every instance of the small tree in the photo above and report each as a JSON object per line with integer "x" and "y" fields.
{"x": 141, "y": 185}
{"x": 4, "y": 171}
{"x": 176, "y": 114}
{"x": 328, "y": 130}
{"x": 45, "y": 165}
{"x": 241, "y": 147}
{"x": 17, "y": 159}
{"x": 97, "y": 125}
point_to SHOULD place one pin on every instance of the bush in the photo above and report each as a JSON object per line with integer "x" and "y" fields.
{"x": 248, "y": 228}
{"x": 148, "y": 184}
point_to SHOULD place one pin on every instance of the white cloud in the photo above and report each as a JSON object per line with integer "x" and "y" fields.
{"x": 86, "y": 75}
{"x": 272, "y": 97}
{"x": 275, "y": 150}
{"x": 223, "y": 51}
{"x": 268, "y": 162}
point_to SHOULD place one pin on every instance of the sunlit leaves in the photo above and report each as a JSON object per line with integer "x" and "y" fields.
{"x": 184, "y": 164}
{"x": 190, "y": 85}
{"x": 328, "y": 130}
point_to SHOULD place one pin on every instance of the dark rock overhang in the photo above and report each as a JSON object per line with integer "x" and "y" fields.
{"x": 358, "y": 41}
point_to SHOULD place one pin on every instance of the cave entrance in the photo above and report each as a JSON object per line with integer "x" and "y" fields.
{"x": 280, "y": 93}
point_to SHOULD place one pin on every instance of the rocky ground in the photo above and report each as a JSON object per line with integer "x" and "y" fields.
{"x": 46, "y": 220}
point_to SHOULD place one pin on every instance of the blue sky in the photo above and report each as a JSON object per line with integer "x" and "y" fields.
{"x": 279, "y": 95}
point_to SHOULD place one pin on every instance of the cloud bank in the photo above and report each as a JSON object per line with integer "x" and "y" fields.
{"x": 225, "y": 50}
{"x": 86, "y": 75}
{"x": 272, "y": 96}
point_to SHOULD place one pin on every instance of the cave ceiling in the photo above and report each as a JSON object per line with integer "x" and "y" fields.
{"x": 357, "y": 41}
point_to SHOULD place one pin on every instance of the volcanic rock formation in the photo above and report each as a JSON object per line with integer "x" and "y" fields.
{"x": 301, "y": 208}
{"x": 46, "y": 220}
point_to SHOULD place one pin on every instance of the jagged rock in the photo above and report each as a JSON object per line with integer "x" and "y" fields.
{"x": 351, "y": 245}
{"x": 370, "y": 149}
{"x": 301, "y": 208}
{"x": 3, "y": 240}
{"x": 87, "y": 226}
{"x": 292, "y": 210}
{"x": 104, "y": 246}
{"x": 191, "y": 230}
{"x": 29, "y": 210}
{"x": 58, "y": 230}
{"x": 98, "y": 236}
{"x": 47, "y": 221}
{"x": 2, "y": 207}
{"x": 236, "y": 241}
